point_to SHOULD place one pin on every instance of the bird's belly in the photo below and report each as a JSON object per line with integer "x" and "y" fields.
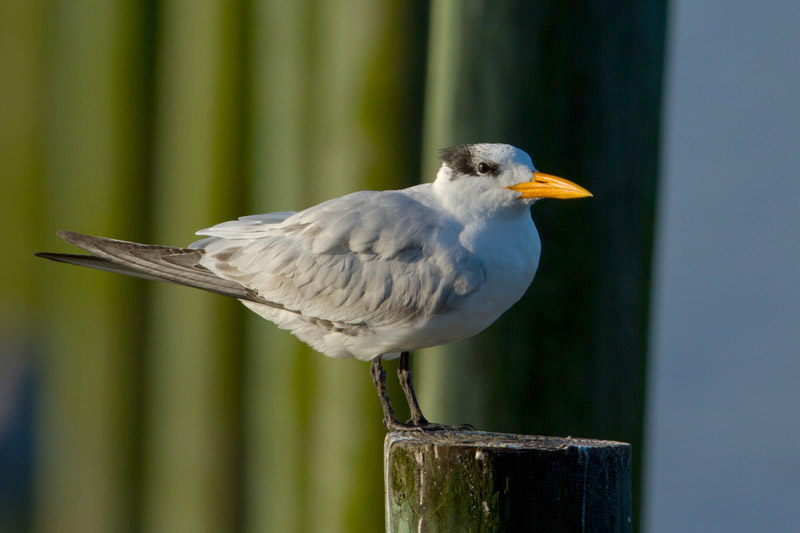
{"x": 470, "y": 317}
{"x": 476, "y": 313}
{"x": 473, "y": 314}
{"x": 507, "y": 277}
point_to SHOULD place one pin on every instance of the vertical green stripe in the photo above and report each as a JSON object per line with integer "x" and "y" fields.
{"x": 21, "y": 92}
{"x": 92, "y": 144}
{"x": 346, "y": 453}
{"x": 346, "y": 448}
{"x": 338, "y": 106}
{"x": 276, "y": 365}
{"x": 192, "y": 358}
{"x": 22, "y": 67}
{"x": 435, "y": 367}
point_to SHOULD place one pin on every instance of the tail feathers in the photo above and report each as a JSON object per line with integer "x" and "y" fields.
{"x": 163, "y": 263}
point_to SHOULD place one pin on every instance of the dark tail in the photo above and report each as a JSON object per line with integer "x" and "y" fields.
{"x": 161, "y": 263}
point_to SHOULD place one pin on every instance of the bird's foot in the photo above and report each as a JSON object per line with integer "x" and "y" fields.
{"x": 396, "y": 425}
{"x": 442, "y": 427}
{"x": 424, "y": 425}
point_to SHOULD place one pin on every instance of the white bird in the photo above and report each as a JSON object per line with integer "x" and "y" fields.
{"x": 372, "y": 274}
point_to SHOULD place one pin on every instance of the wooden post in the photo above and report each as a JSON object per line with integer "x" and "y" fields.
{"x": 476, "y": 481}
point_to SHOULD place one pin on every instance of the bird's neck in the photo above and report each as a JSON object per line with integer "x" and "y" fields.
{"x": 468, "y": 204}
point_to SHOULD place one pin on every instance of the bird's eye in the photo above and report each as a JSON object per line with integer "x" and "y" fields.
{"x": 483, "y": 168}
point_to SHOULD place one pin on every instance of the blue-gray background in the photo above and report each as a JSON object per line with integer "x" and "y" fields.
{"x": 723, "y": 426}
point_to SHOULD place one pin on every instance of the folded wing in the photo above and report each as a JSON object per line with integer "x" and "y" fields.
{"x": 368, "y": 259}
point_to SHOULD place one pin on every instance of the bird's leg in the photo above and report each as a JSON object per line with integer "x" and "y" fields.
{"x": 405, "y": 377}
{"x": 418, "y": 421}
{"x": 379, "y": 379}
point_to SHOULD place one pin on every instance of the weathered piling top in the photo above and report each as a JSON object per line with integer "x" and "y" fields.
{"x": 480, "y": 481}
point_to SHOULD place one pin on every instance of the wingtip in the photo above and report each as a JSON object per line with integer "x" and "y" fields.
{"x": 64, "y": 234}
{"x": 70, "y": 237}
{"x": 81, "y": 240}
{"x": 49, "y": 255}
{"x": 67, "y": 235}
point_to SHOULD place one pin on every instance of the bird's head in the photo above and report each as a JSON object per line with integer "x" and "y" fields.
{"x": 488, "y": 178}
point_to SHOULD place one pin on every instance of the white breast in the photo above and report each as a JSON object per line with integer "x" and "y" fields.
{"x": 508, "y": 251}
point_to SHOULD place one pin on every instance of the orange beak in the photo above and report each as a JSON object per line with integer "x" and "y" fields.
{"x": 547, "y": 186}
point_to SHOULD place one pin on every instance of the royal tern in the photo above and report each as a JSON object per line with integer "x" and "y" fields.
{"x": 373, "y": 274}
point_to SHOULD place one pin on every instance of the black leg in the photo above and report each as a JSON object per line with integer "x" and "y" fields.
{"x": 417, "y": 422}
{"x": 379, "y": 380}
{"x": 405, "y": 377}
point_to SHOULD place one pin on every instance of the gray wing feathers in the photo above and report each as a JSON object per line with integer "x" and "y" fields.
{"x": 92, "y": 261}
{"x": 163, "y": 263}
{"x": 249, "y": 227}
{"x": 365, "y": 259}
{"x": 369, "y": 258}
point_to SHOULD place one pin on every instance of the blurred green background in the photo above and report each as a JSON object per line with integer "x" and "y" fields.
{"x": 134, "y": 406}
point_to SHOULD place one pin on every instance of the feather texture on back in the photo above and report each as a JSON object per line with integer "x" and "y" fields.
{"x": 340, "y": 261}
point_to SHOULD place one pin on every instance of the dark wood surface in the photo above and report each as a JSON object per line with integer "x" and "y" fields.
{"x": 478, "y": 481}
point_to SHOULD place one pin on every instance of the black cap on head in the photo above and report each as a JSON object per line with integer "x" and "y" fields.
{"x": 459, "y": 158}
{"x": 465, "y": 160}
